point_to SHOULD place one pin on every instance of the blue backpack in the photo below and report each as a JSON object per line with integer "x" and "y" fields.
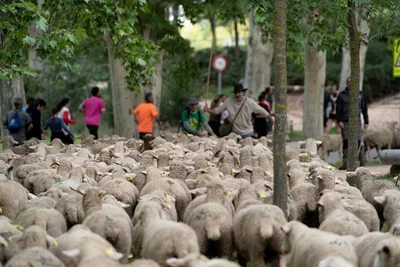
{"x": 14, "y": 124}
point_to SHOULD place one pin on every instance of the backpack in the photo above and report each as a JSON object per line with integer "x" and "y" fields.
{"x": 14, "y": 124}
{"x": 188, "y": 114}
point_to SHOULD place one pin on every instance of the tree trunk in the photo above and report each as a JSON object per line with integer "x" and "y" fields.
{"x": 279, "y": 150}
{"x": 363, "y": 28}
{"x": 260, "y": 64}
{"x": 5, "y": 103}
{"x": 237, "y": 48}
{"x": 123, "y": 100}
{"x": 156, "y": 82}
{"x": 213, "y": 30}
{"x": 354, "y": 88}
{"x": 249, "y": 61}
{"x": 314, "y": 79}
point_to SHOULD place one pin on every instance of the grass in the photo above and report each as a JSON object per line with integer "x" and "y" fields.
{"x": 367, "y": 164}
{"x": 295, "y": 136}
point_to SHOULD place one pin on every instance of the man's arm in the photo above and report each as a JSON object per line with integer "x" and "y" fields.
{"x": 215, "y": 111}
{"x": 187, "y": 127}
{"x": 260, "y": 110}
{"x": 339, "y": 109}
{"x": 208, "y": 128}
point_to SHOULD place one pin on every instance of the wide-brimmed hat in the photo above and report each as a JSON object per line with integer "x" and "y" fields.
{"x": 193, "y": 101}
{"x": 239, "y": 88}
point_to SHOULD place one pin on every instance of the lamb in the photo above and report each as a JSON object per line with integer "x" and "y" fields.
{"x": 35, "y": 256}
{"x": 335, "y": 219}
{"x": 391, "y": 209}
{"x": 213, "y": 224}
{"x": 310, "y": 145}
{"x": 257, "y": 231}
{"x": 108, "y": 220}
{"x": 12, "y": 197}
{"x": 312, "y": 247}
{"x": 177, "y": 238}
{"x": 377, "y": 249}
{"x": 331, "y": 143}
{"x": 380, "y": 137}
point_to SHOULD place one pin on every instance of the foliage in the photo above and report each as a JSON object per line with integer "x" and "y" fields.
{"x": 21, "y": 28}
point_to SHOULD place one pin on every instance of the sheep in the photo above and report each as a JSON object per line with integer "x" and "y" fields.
{"x": 331, "y": 143}
{"x": 143, "y": 263}
{"x": 213, "y": 224}
{"x": 22, "y": 171}
{"x": 35, "y": 256}
{"x": 380, "y": 137}
{"x": 39, "y": 202}
{"x": 166, "y": 201}
{"x": 92, "y": 253}
{"x": 163, "y": 238}
{"x": 7, "y": 232}
{"x": 108, "y": 220}
{"x": 49, "y": 219}
{"x": 371, "y": 187}
{"x": 123, "y": 191}
{"x": 70, "y": 206}
{"x": 246, "y": 154}
{"x": 174, "y": 188}
{"x": 41, "y": 180}
{"x": 377, "y": 249}
{"x": 310, "y": 145}
{"x": 312, "y": 247}
{"x": 361, "y": 208}
{"x": 12, "y": 197}
{"x": 257, "y": 231}
{"x": 9, "y": 142}
{"x": 391, "y": 209}
{"x": 335, "y": 219}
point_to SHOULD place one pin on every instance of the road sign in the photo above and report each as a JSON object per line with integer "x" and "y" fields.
{"x": 219, "y": 63}
{"x": 396, "y": 58}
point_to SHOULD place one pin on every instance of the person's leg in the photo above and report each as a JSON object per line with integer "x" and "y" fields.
{"x": 361, "y": 156}
{"x": 93, "y": 129}
{"x": 345, "y": 145}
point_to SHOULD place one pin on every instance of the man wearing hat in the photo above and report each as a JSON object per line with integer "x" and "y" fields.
{"x": 240, "y": 109}
{"x": 193, "y": 119}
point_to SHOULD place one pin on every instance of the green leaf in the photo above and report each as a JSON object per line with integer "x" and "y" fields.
{"x": 29, "y": 40}
{"x": 41, "y": 24}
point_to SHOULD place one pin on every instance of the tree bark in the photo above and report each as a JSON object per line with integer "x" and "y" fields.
{"x": 5, "y": 103}
{"x": 156, "y": 82}
{"x": 123, "y": 100}
{"x": 354, "y": 88}
{"x": 259, "y": 72}
{"x": 237, "y": 48}
{"x": 249, "y": 61}
{"x": 314, "y": 79}
{"x": 363, "y": 28}
{"x": 213, "y": 26}
{"x": 279, "y": 149}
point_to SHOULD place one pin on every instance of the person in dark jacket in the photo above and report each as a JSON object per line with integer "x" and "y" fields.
{"x": 58, "y": 127}
{"x": 342, "y": 116}
{"x": 35, "y": 112}
{"x": 215, "y": 120}
{"x": 327, "y": 100}
{"x": 260, "y": 122}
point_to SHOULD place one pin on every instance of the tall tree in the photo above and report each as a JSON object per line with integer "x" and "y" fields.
{"x": 279, "y": 150}
{"x": 355, "y": 42}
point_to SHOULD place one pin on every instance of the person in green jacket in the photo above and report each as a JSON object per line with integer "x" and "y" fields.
{"x": 193, "y": 119}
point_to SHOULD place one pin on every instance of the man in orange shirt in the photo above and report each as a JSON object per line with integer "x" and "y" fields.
{"x": 145, "y": 114}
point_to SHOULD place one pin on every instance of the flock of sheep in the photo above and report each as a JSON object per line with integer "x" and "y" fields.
{"x": 180, "y": 200}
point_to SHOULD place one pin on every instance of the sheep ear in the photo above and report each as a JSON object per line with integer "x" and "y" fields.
{"x": 380, "y": 199}
{"x": 320, "y": 203}
{"x": 123, "y": 205}
{"x": 82, "y": 192}
{"x": 301, "y": 142}
{"x": 350, "y": 174}
{"x": 51, "y": 241}
{"x": 319, "y": 177}
{"x": 3, "y": 242}
{"x": 200, "y": 191}
{"x": 33, "y": 147}
{"x": 319, "y": 142}
{"x": 31, "y": 196}
{"x": 175, "y": 262}
{"x": 285, "y": 228}
{"x": 144, "y": 172}
{"x": 72, "y": 253}
{"x": 114, "y": 255}
{"x": 376, "y": 174}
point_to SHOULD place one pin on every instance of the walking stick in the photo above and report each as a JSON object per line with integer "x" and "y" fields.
{"x": 209, "y": 69}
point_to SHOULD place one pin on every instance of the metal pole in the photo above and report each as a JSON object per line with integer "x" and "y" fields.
{"x": 219, "y": 82}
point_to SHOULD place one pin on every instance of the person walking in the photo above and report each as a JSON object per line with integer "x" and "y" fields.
{"x": 240, "y": 110}
{"x": 260, "y": 122}
{"x": 269, "y": 93}
{"x": 145, "y": 115}
{"x": 67, "y": 117}
{"x": 215, "y": 120}
{"x": 193, "y": 119}
{"x": 57, "y": 127}
{"x": 93, "y": 107}
{"x": 35, "y": 111}
{"x": 18, "y": 122}
{"x": 329, "y": 105}
{"x": 342, "y": 116}
{"x": 29, "y": 102}
{"x": 332, "y": 114}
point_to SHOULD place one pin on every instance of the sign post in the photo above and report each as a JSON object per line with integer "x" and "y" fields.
{"x": 219, "y": 64}
{"x": 396, "y": 58}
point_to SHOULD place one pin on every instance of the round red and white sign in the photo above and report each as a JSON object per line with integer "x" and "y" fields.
{"x": 219, "y": 63}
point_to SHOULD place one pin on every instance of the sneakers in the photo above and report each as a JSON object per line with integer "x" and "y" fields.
{"x": 343, "y": 168}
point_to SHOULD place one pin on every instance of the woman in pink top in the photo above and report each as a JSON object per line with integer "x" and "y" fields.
{"x": 93, "y": 107}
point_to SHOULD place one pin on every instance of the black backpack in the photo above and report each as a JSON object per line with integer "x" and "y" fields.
{"x": 188, "y": 114}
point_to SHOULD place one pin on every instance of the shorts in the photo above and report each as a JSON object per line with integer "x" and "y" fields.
{"x": 142, "y": 135}
{"x": 332, "y": 117}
